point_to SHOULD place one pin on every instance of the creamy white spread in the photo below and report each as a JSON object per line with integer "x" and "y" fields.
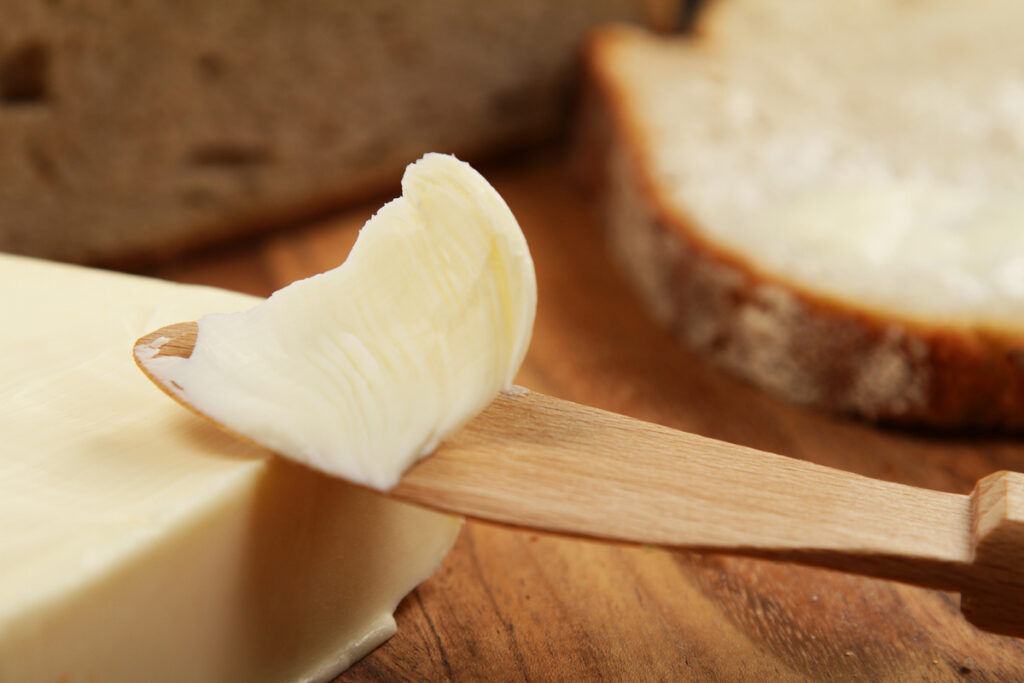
{"x": 363, "y": 369}
{"x": 886, "y": 174}
{"x": 137, "y": 543}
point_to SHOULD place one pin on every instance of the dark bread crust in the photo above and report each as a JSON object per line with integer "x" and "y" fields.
{"x": 806, "y": 347}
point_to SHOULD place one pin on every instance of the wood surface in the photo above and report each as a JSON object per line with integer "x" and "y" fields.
{"x": 510, "y": 604}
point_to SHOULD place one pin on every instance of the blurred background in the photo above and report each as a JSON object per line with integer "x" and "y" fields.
{"x": 132, "y": 132}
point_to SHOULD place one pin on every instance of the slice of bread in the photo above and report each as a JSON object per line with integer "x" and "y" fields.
{"x": 828, "y": 198}
{"x": 130, "y": 131}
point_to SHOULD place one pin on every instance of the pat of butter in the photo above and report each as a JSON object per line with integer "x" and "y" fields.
{"x": 139, "y": 543}
{"x": 363, "y": 369}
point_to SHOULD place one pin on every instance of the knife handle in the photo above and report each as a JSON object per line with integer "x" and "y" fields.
{"x": 995, "y": 599}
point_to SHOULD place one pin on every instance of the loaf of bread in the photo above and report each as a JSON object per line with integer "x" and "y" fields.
{"x": 828, "y": 198}
{"x": 133, "y": 130}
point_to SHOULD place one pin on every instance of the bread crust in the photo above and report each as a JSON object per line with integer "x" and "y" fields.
{"x": 230, "y": 119}
{"x": 808, "y": 348}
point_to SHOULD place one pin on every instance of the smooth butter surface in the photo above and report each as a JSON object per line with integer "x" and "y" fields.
{"x": 138, "y": 543}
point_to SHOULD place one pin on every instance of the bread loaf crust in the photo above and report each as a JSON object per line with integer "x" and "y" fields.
{"x": 807, "y": 348}
{"x": 129, "y": 134}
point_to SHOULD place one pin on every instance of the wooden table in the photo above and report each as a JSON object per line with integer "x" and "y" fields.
{"x": 515, "y": 605}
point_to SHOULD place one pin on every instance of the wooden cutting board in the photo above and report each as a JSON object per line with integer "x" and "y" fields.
{"x": 514, "y": 605}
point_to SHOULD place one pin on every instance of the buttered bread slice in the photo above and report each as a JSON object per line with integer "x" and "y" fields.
{"x": 828, "y": 198}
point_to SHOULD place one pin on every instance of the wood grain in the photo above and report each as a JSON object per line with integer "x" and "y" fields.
{"x": 515, "y": 605}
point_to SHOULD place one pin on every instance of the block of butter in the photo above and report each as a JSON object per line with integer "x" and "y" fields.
{"x": 139, "y": 543}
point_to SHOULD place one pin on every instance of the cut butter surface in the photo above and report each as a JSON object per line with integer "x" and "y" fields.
{"x": 363, "y": 369}
{"x": 138, "y": 543}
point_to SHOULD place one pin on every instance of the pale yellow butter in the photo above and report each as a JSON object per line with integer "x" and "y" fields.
{"x": 139, "y": 543}
{"x": 364, "y": 369}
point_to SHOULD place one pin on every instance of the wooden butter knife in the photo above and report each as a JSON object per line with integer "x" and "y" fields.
{"x": 535, "y": 461}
